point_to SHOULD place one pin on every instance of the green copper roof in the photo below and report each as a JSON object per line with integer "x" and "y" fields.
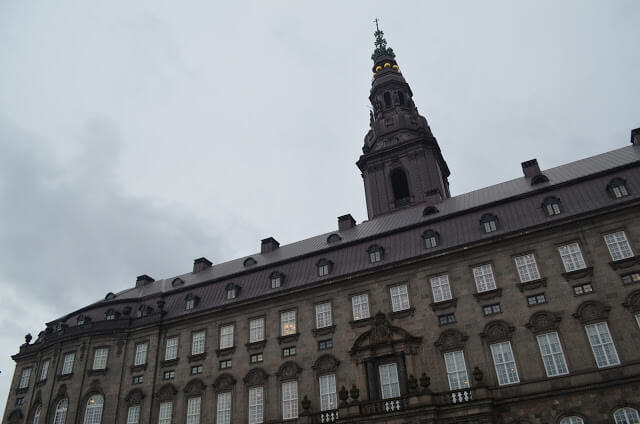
{"x": 381, "y": 45}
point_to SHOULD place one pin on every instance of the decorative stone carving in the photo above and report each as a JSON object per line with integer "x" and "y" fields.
{"x": 120, "y": 346}
{"x": 167, "y": 392}
{"x": 633, "y": 301}
{"x": 225, "y": 381}
{"x": 497, "y": 330}
{"x": 255, "y": 377}
{"x": 195, "y": 387}
{"x": 382, "y": 333}
{"x": 425, "y": 382}
{"x": 15, "y": 416}
{"x": 343, "y": 395}
{"x": 478, "y": 375}
{"x": 62, "y": 391}
{"x": 354, "y": 393}
{"x": 543, "y": 321}
{"x": 288, "y": 370}
{"x": 134, "y": 397}
{"x": 592, "y": 311}
{"x": 325, "y": 364}
{"x": 450, "y": 339}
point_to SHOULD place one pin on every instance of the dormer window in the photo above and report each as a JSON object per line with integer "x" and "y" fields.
{"x": 618, "y": 188}
{"x": 110, "y": 296}
{"x": 489, "y": 223}
{"x": 376, "y": 253}
{"x": 276, "y": 279}
{"x": 231, "y": 291}
{"x": 539, "y": 179}
{"x": 551, "y": 206}
{"x": 334, "y": 238}
{"x": 177, "y": 282}
{"x": 143, "y": 311}
{"x": 111, "y": 314}
{"x": 249, "y": 262}
{"x": 429, "y": 210}
{"x": 431, "y": 239}
{"x": 324, "y": 267}
{"x": 190, "y": 302}
{"x": 82, "y": 320}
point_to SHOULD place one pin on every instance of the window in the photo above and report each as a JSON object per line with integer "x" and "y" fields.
{"x": 289, "y": 400}
{"x": 360, "y": 306}
{"x": 387, "y": 99}
{"x": 81, "y": 320}
{"x": 456, "y": 370}
{"x": 334, "y": 238}
{"x": 288, "y": 351}
{"x": 638, "y": 319}
{"x": 110, "y": 315}
{"x": 447, "y": 319}
{"x": 189, "y": 303}
{"x": 571, "y": 257}
{"x": 400, "y": 187}
{"x": 169, "y": 375}
{"x": 551, "y": 206}
{"x": 552, "y": 355}
{"x": 44, "y": 370}
{"x": 256, "y": 330}
{"x": 375, "y": 253}
{"x": 323, "y": 315}
{"x": 572, "y": 420}
{"x": 602, "y": 346}
{"x": 325, "y": 344}
{"x": 133, "y": 415}
{"x": 256, "y": 405}
{"x": 431, "y": 239}
{"x": 231, "y": 291}
{"x": 226, "y": 337}
{"x": 389, "y": 383}
{"x": 527, "y": 268}
{"x": 24, "y": 378}
{"x": 193, "y": 410}
{"x": 631, "y": 278}
{"x": 287, "y": 323}
{"x": 164, "y": 416}
{"x": 491, "y": 309}
{"x": 100, "y": 358}
{"x": 60, "y": 415}
{"x": 223, "y": 415}
{"x": 489, "y": 223}
{"x": 224, "y": 364}
{"x": 93, "y": 412}
{"x": 67, "y": 364}
{"x": 618, "y": 188}
{"x": 618, "y": 245}
{"x": 249, "y": 262}
{"x": 505, "y": 363}
{"x": 143, "y": 311}
{"x": 141, "y": 354}
{"x": 197, "y": 342}
{"x": 138, "y": 379}
{"x": 536, "y": 299}
{"x": 581, "y": 289}
{"x": 626, "y": 416}
{"x": 483, "y": 275}
{"x": 36, "y": 414}
{"x": 440, "y": 288}
{"x": 399, "y": 298}
{"x": 324, "y": 267}
{"x": 255, "y": 358}
{"x": 276, "y": 280}
{"x": 19, "y": 401}
{"x": 328, "y": 398}
{"x": 196, "y": 369}
{"x": 171, "y": 349}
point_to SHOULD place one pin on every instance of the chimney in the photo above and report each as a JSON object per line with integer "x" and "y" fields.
{"x": 201, "y": 264}
{"x": 530, "y": 168}
{"x": 143, "y": 280}
{"x": 269, "y": 245}
{"x": 345, "y": 222}
{"x": 635, "y": 136}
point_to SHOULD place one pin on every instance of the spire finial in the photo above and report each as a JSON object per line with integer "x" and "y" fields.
{"x": 381, "y": 44}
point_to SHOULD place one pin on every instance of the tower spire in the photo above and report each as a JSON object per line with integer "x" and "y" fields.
{"x": 381, "y": 44}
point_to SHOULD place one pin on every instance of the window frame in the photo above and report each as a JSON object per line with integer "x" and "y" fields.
{"x": 96, "y": 409}
{"x": 257, "y": 404}
{"x": 25, "y": 377}
{"x": 555, "y": 363}
{"x": 328, "y": 392}
{"x": 620, "y": 248}
{"x": 253, "y": 337}
{"x": 285, "y": 326}
{"x": 66, "y": 370}
{"x": 456, "y": 372}
{"x": 289, "y": 402}
{"x": 440, "y": 288}
{"x": 223, "y": 338}
{"x": 572, "y": 260}
{"x": 140, "y": 353}
{"x": 197, "y": 343}
{"x": 194, "y": 410}
{"x": 102, "y": 359}
{"x": 527, "y": 266}
{"x": 481, "y": 279}
{"x": 173, "y": 347}
{"x": 165, "y": 412}
{"x": 360, "y": 306}
{"x": 400, "y": 303}
{"x": 323, "y": 318}
{"x": 393, "y": 386}
{"x": 611, "y": 342}
{"x": 515, "y": 373}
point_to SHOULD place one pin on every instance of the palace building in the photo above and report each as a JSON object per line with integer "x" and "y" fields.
{"x": 515, "y": 303}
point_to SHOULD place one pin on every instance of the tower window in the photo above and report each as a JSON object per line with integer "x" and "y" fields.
{"x": 618, "y": 188}
{"x": 387, "y": 99}
{"x": 376, "y": 253}
{"x": 400, "y": 187}
{"x": 400, "y": 98}
{"x": 431, "y": 239}
{"x": 551, "y": 206}
{"x": 489, "y": 223}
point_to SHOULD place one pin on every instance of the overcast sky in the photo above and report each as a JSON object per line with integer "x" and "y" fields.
{"x": 137, "y": 136}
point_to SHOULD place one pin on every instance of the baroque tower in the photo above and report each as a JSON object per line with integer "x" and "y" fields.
{"x": 401, "y": 163}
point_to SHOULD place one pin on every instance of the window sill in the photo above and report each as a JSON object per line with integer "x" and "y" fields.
{"x": 62, "y": 377}
{"x": 323, "y": 331}
{"x": 227, "y": 351}
{"x": 256, "y": 345}
{"x": 288, "y": 338}
{"x": 102, "y": 371}
{"x": 445, "y": 304}
{"x": 361, "y": 322}
{"x": 488, "y": 295}
{"x": 197, "y": 357}
{"x": 41, "y": 382}
{"x": 578, "y": 273}
{"x": 403, "y": 313}
{"x": 625, "y": 263}
{"x": 22, "y": 390}
{"x": 532, "y": 285}
{"x": 169, "y": 362}
{"x": 138, "y": 368}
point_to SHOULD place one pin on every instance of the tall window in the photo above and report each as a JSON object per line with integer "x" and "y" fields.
{"x": 571, "y": 257}
{"x": 189, "y": 303}
{"x": 231, "y": 291}
{"x": 483, "y": 275}
{"x": 289, "y": 400}
{"x": 360, "y": 305}
{"x": 505, "y": 363}
{"x": 287, "y": 323}
{"x": 276, "y": 280}
{"x": 60, "y": 415}
{"x": 93, "y": 412}
{"x": 256, "y": 330}
{"x": 223, "y": 415}
{"x": 166, "y": 410}
{"x": 626, "y": 416}
{"x": 552, "y": 355}
{"x": 328, "y": 399}
{"x": 36, "y": 415}
{"x": 456, "y": 370}
{"x": 133, "y": 414}
{"x": 602, "y": 345}
{"x": 572, "y": 420}
{"x": 226, "y": 336}
{"x": 141, "y": 354}
{"x": 256, "y": 405}
{"x": 440, "y": 287}
{"x": 193, "y": 410}
{"x": 400, "y": 187}
{"x": 67, "y": 363}
{"x": 100, "y": 358}
{"x": 24, "y": 378}
{"x": 323, "y": 315}
{"x": 618, "y": 245}
{"x": 527, "y": 268}
{"x": 44, "y": 370}
{"x": 171, "y": 349}
{"x": 399, "y": 298}
{"x": 389, "y": 383}
{"x": 197, "y": 342}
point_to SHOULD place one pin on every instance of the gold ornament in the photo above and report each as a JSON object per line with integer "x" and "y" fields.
{"x": 386, "y": 65}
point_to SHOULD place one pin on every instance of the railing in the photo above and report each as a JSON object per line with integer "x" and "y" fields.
{"x": 326, "y": 417}
{"x": 384, "y": 406}
{"x": 455, "y": 397}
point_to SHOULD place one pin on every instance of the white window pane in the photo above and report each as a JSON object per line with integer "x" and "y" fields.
{"x": 36, "y": 415}
{"x": 171, "y": 350}
{"x": 289, "y": 400}
{"x": 456, "y": 370}
{"x": 166, "y": 410}
{"x": 60, "y": 414}
{"x": 141, "y": 354}
{"x": 67, "y": 365}
{"x": 226, "y": 336}
{"x": 256, "y": 330}
{"x": 527, "y": 268}
{"x": 483, "y": 276}
{"x": 360, "y": 304}
{"x": 572, "y": 257}
{"x": 93, "y": 412}
{"x": 389, "y": 384}
{"x": 223, "y": 412}
{"x": 399, "y": 298}
{"x": 44, "y": 370}
{"x": 24, "y": 378}
{"x": 323, "y": 315}
{"x": 193, "y": 410}
{"x": 256, "y": 405}
{"x": 133, "y": 415}
{"x": 627, "y": 416}
{"x": 618, "y": 245}
{"x": 440, "y": 287}
{"x": 552, "y": 354}
{"x": 604, "y": 351}
{"x": 100, "y": 358}
{"x": 504, "y": 363}
{"x": 197, "y": 343}
{"x": 328, "y": 398}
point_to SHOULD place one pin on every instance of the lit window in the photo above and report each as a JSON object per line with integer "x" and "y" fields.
{"x": 287, "y": 323}
{"x": 255, "y": 358}
{"x": 44, "y": 370}
{"x": 571, "y": 257}
{"x": 483, "y": 275}
{"x": 197, "y": 342}
{"x": 375, "y": 253}
{"x": 60, "y": 414}
{"x": 226, "y": 336}
{"x": 196, "y": 369}
{"x": 288, "y": 351}
{"x": 231, "y": 291}
{"x": 193, "y": 410}
{"x": 100, "y": 358}
{"x": 93, "y": 412}
{"x": 626, "y": 416}
{"x": 618, "y": 245}
{"x": 256, "y": 405}
{"x": 618, "y": 188}
{"x": 328, "y": 398}
{"x": 551, "y": 206}
{"x": 581, "y": 289}
{"x": 431, "y": 239}
{"x": 504, "y": 363}
{"x": 389, "y": 383}
{"x": 289, "y": 400}
{"x": 527, "y": 268}
{"x": 456, "y": 370}
{"x": 256, "y": 330}
{"x": 634, "y": 277}
{"x": 24, "y": 378}
{"x": 133, "y": 415}
{"x": 224, "y": 364}
{"x": 323, "y": 315}
{"x": 440, "y": 287}
{"x": 602, "y": 345}
{"x": 67, "y": 364}
{"x": 324, "y": 267}
{"x": 552, "y": 355}
{"x": 169, "y": 375}
{"x": 166, "y": 409}
{"x": 141, "y": 354}
{"x": 491, "y": 309}
{"x": 572, "y": 420}
{"x": 276, "y": 279}
{"x": 325, "y": 344}
{"x": 489, "y": 223}
{"x": 536, "y": 299}
{"x": 171, "y": 349}
{"x": 447, "y": 319}
{"x": 399, "y": 298}
{"x": 360, "y": 305}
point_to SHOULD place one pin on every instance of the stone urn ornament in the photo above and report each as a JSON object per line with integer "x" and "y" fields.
{"x": 425, "y": 382}
{"x": 306, "y": 404}
{"x": 412, "y": 384}
{"x": 478, "y": 375}
{"x": 354, "y": 393}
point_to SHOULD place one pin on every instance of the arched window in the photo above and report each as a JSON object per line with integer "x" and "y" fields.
{"x": 617, "y": 188}
{"x": 111, "y": 314}
{"x": 387, "y": 99}
{"x": 249, "y": 262}
{"x": 401, "y": 98}
{"x": 334, "y": 238}
{"x": 60, "y": 415}
{"x": 429, "y": 210}
{"x": 400, "y": 187}
{"x": 376, "y": 253}
{"x": 551, "y": 206}
{"x": 626, "y": 416}
{"x": 539, "y": 179}
{"x": 36, "y": 415}
{"x": 489, "y": 222}
{"x": 572, "y": 420}
{"x": 177, "y": 282}
{"x": 231, "y": 291}
{"x": 190, "y": 302}
{"x": 431, "y": 239}
{"x": 93, "y": 412}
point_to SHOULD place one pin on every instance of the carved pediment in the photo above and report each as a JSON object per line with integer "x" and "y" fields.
{"x": 62, "y": 391}
{"x": 450, "y": 340}
{"x": 225, "y": 381}
{"x": 497, "y": 330}
{"x": 255, "y": 377}
{"x": 167, "y": 392}
{"x": 134, "y": 397}
{"x": 288, "y": 370}
{"x": 325, "y": 364}
{"x": 592, "y": 311}
{"x": 195, "y": 387}
{"x": 543, "y": 321}
{"x": 382, "y": 333}
{"x": 633, "y": 301}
